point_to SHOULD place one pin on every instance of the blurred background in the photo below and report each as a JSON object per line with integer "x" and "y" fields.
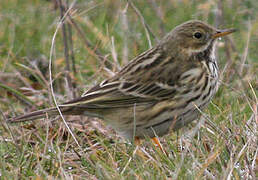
{"x": 90, "y": 42}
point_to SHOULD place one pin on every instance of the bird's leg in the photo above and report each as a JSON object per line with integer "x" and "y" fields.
{"x": 156, "y": 142}
{"x": 137, "y": 143}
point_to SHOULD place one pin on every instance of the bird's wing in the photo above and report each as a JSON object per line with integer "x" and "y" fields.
{"x": 107, "y": 96}
{"x": 144, "y": 80}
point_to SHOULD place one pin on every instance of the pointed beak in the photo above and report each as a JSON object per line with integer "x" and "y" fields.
{"x": 224, "y": 32}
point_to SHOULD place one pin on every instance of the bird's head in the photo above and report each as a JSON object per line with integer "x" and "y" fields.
{"x": 195, "y": 36}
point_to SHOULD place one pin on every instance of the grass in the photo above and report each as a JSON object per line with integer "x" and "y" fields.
{"x": 222, "y": 145}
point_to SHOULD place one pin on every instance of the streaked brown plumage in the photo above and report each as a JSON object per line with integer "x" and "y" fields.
{"x": 165, "y": 87}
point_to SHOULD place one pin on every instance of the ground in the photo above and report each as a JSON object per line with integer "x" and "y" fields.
{"x": 102, "y": 36}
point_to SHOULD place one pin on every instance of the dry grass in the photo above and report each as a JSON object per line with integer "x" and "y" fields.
{"x": 98, "y": 38}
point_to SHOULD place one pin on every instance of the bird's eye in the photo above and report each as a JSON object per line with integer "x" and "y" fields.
{"x": 197, "y": 35}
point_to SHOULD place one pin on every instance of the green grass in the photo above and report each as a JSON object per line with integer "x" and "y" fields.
{"x": 223, "y": 146}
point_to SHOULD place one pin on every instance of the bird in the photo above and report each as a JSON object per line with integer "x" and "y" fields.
{"x": 162, "y": 89}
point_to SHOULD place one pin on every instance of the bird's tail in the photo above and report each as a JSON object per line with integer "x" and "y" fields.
{"x": 37, "y": 114}
{"x": 66, "y": 109}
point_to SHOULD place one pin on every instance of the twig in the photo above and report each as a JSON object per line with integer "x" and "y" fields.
{"x": 18, "y": 95}
{"x": 244, "y": 57}
{"x": 93, "y": 51}
{"x": 125, "y": 29}
{"x": 254, "y": 159}
{"x": 71, "y": 47}
{"x": 233, "y": 164}
{"x": 114, "y": 55}
{"x": 66, "y": 48}
{"x": 50, "y": 73}
{"x": 219, "y": 13}
{"x": 160, "y": 14}
{"x": 145, "y": 25}
{"x": 71, "y": 53}
{"x": 183, "y": 154}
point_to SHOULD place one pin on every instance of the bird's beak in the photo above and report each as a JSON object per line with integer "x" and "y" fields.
{"x": 224, "y": 32}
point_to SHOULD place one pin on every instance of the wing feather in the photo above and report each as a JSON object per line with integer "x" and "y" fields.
{"x": 137, "y": 83}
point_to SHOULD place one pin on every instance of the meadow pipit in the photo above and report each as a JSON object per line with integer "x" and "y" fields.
{"x": 165, "y": 86}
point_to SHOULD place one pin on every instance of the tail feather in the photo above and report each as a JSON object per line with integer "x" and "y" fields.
{"x": 34, "y": 115}
{"x": 66, "y": 110}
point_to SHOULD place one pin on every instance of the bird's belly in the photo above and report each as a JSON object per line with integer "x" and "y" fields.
{"x": 159, "y": 119}
{"x": 185, "y": 111}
